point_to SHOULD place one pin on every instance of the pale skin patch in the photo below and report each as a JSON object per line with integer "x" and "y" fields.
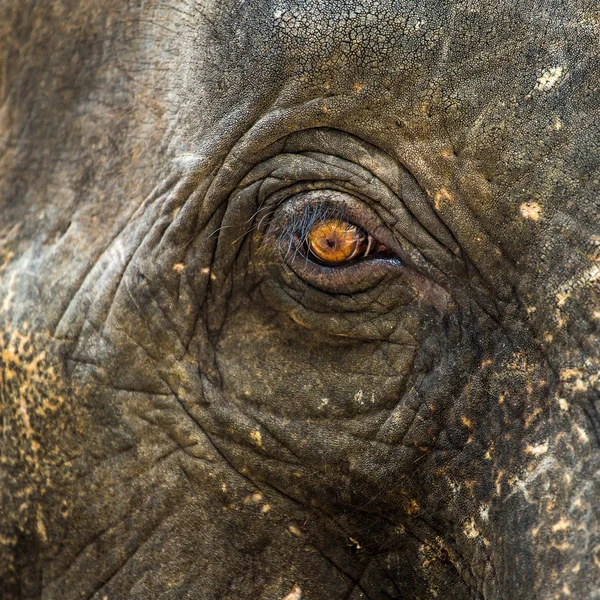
{"x": 561, "y": 300}
{"x": 442, "y": 197}
{"x": 294, "y": 594}
{"x": 557, "y": 123}
{"x": 575, "y": 379}
{"x": 355, "y": 543}
{"x": 582, "y": 434}
{"x": 562, "y": 547}
{"x": 561, "y": 525}
{"x": 253, "y": 498}
{"x": 413, "y": 508}
{"x": 498, "y": 482}
{"x": 531, "y": 210}
{"x": 577, "y": 284}
{"x": 470, "y": 530}
{"x": 596, "y": 552}
{"x": 323, "y": 403}
{"x": 7, "y": 258}
{"x": 40, "y": 527}
{"x": 532, "y": 417}
{"x": 537, "y": 450}
{"x": 550, "y": 77}
{"x": 26, "y": 422}
{"x": 178, "y": 268}
{"x": 8, "y": 300}
{"x": 256, "y": 437}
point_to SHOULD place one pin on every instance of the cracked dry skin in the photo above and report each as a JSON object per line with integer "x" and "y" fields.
{"x": 190, "y": 409}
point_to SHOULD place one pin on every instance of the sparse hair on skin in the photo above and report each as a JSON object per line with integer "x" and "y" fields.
{"x": 292, "y": 233}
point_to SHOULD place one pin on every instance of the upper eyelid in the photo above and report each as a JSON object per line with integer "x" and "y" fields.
{"x": 301, "y": 223}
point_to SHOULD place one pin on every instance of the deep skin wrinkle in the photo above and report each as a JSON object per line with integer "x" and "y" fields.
{"x": 189, "y": 410}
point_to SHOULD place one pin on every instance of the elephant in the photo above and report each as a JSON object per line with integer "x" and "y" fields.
{"x": 299, "y": 299}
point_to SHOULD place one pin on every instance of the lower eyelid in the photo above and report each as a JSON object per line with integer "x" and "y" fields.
{"x": 349, "y": 278}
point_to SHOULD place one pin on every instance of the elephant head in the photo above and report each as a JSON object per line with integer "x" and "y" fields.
{"x": 299, "y": 299}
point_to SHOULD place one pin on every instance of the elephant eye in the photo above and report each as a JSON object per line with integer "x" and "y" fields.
{"x": 335, "y": 241}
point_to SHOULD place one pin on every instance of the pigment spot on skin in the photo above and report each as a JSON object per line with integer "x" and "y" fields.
{"x": 550, "y": 77}
{"x": 580, "y": 283}
{"x": 257, "y": 437}
{"x": 574, "y": 380}
{"x": 537, "y": 450}
{"x": 255, "y": 498}
{"x": 294, "y": 594}
{"x": 557, "y": 123}
{"x": 358, "y": 87}
{"x": 442, "y": 197}
{"x": 39, "y": 524}
{"x": 470, "y": 530}
{"x": 323, "y": 403}
{"x": 596, "y": 553}
{"x": 532, "y": 418}
{"x": 31, "y": 399}
{"x": 581, "y": 433}
{"x": 8, "y": 300}
{"x": 561, "y": 525}
{"x": 531, "y": 210}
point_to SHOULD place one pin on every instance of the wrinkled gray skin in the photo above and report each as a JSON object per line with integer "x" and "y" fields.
{"x": 191, "y": 412}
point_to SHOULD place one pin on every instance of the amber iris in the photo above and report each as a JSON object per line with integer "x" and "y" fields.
{"x": 334, "y": 241}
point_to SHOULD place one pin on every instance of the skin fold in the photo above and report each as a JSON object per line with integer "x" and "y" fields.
{"x": 192, "y": 408}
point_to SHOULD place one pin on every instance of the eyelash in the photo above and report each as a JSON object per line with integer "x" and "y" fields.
{"x": 297, "y": 226}
{"x": 294, "y": 233}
